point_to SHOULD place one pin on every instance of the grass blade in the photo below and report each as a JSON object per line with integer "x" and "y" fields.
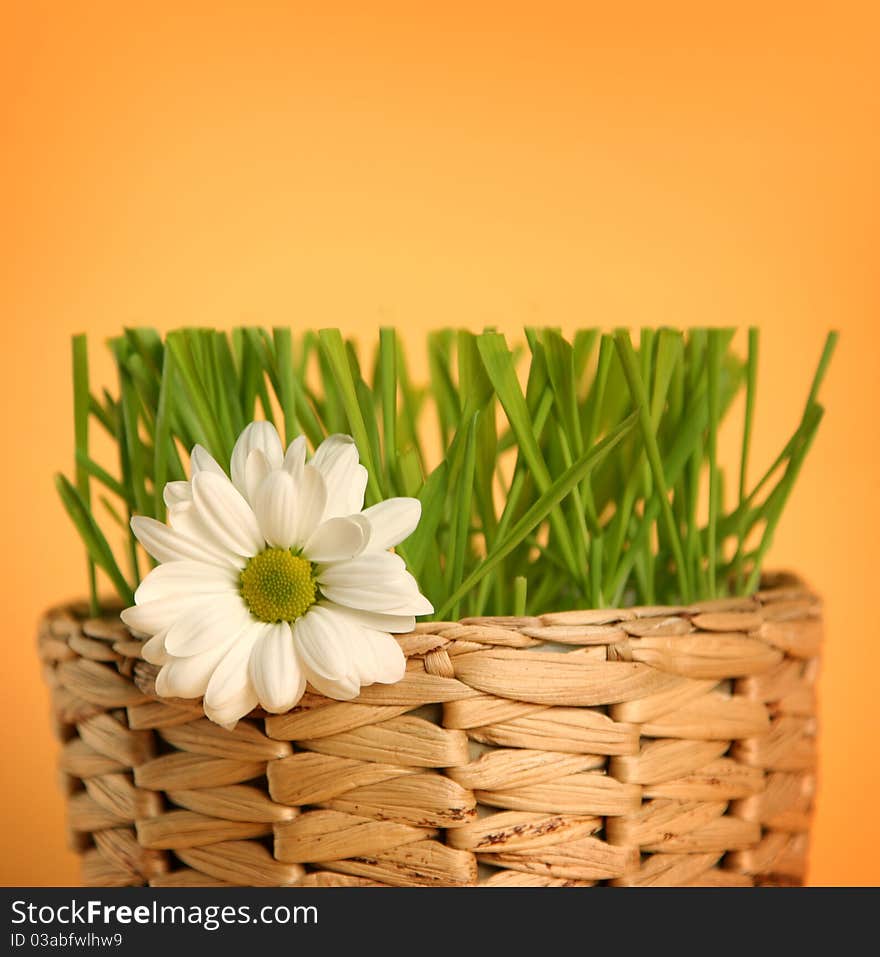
{"x": 714, "y": 372}
{"x": 388, "y": 379}
{"x": 164, "y": 451}
{"x": 811, "y": 424}
{"x": 498, "y": 362}
{"x": 751, "y": 391}
{"x": 91, "y": 468}
{"x": 81, "y": 408}
{"x": 464, "y": 488}
{"x": 92, "y": 536}
{"x": 540, "y": 510}
{"x": 286, "y": 390}
{"x": 433, "y": 499}
{"x": 333, "y": 349}
{"x": 640, "y": 400}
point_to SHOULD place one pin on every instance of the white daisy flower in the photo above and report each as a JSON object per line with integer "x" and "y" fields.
{"x": 275, "y": 577}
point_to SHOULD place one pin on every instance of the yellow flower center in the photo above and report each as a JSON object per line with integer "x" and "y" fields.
{"x": 278, "y": 585}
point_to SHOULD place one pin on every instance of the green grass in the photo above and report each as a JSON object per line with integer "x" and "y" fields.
{"x": 553, "y": 473}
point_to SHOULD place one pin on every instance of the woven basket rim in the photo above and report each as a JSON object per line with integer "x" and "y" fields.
{"x": 774, "y": 586}
{"x": 772, "y": 581}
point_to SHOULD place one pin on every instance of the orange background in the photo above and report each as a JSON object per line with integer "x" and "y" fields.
{"x": 472, "y": 163}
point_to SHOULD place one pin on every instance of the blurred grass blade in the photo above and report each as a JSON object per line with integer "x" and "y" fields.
{"x": 433, "y": 499}
{"x": 387, "y": 372}
{"x": 464, "y": 489}
{"x": 498, "y": 362}
{"x": 81, "y": 408}
{"x": 333, "y": 349}
{"x": 714, "y": 372}
{"x": 811, "y": 424}
{"x": 92, "y": 536}
{"x": 640, "y": 401}
{"x": 286, "y": 390}
{"x": 87, "y": 465}
{"x": 749, "y": 415}
{"x": 163, "y": 449}
{"x": 520, "y": 591}
{"x": 540, "y": 510}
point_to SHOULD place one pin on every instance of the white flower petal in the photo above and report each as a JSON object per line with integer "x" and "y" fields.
{"x": 392, "y": 521}
{"x": 378, "y": 657}
{"x": 338, "y": 539}
{"x": 345, "y": 689}
{"x": 374, "y": 581}
{"x": 159, "y": 615}
{"x": 376, "y": 620}
{"x": 184, "y": 518}
{"x": 189, "y": 677}
{"x": 356, "y": 488}
{"x": 386, "y": 602}
{"x": 322, "y": 644}
{"x": 310, "y": 504}
{"x": 185, "y": 578}
{"x": 369, "y": 569}
{"x": 417, "y": 605}
{"x": 168, "y": 545}
{"x": 336, "y": 458}
{"x": 154, "y": 651}
{"x": 295, "y": 457}
{"x": 175, "y": 493}
{"x": 201, "y": 460}
{"x": 256, "y": 468}
{"x": 207, "y": 626}
{"x": 226, "y": 514}
{"x": 257, "y": 435}
{"x": 275, "y": 671}
{"x": 334, "y": 449}
{"x": 230, "y": 695}
{"x": 276, "y": 508}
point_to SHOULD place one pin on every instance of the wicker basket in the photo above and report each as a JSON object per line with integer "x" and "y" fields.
{"x": 645, "y": 746}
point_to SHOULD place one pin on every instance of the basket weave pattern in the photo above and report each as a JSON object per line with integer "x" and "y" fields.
{"x": 639, "y": 746}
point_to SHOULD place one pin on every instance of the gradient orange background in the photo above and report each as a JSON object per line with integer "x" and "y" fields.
{"x": 472, "y": 163}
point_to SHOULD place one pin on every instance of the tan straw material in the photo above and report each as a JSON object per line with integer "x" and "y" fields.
{"x": 638, "y": 746}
